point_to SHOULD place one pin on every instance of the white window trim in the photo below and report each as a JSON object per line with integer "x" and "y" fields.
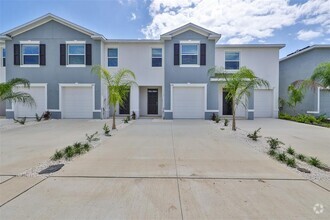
{"x": 239, "y": 60}
{"x": 204, "y": 85}
{"x": 68, "y": 43}
{"x": 157, "y": 57}
{"x": 2, "y": 57}
{"x": 113, "y": 57}
{"x": 29, "y": 43}
{"x": 62, "y": 85}
{"x": 197, "y": 43}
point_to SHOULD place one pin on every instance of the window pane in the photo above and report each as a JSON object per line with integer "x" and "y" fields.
{"x": 3, "y": 52}
{"x": 232, "y": 56}
{"x": 76, "y": 59}
{"x": 76, "y": 49}
{"x": 232, "y": 65}
{"x": 189, "y": 49}
{"x": 157, "y": 52}
{"x": 113, "y": 52}
{"x": 31, "y": 59}
{"x": 112, "y": 61}
{"x": 156, "y": 62}
{"x": 189, "y": 59}
{"x": 31, "y": 49}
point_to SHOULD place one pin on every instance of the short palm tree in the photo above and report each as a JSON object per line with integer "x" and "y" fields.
{"x": 320, "y": 77}
{"x": 238, "y": 85}
{"x": 118, "y": 86}
{"x": 7, "y": 91}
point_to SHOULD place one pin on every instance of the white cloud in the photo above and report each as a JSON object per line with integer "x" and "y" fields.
{"x": 133, "y": 17}
{"x": 238, "y": 21}
{"x": 307, "y": 35}
{"x": 126, "y": 2}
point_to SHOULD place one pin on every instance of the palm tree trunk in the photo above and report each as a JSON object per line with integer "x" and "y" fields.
{"x": 234, "y": 117}
{"x": 114, "y": 119}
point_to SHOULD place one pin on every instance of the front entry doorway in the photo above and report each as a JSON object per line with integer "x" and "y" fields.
{"x": 125, "y": 108}
{"x": 227, "y": 105}
{"x": 152, "y": 101}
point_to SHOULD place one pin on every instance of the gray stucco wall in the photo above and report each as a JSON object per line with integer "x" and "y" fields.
{"x": 301, "y": 67}
{"x": 53, "y": 34}
{"x": 177, "y": 74}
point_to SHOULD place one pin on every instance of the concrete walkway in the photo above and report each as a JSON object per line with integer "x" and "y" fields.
{"x": 157, "y": 169}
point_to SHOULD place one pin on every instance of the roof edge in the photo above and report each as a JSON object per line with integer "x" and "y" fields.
{"x": 315, "y": 46}
{"x": 250, "y": 45}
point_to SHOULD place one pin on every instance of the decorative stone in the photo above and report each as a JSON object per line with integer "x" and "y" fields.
{"x": 52, "y": 169}
{"x": 303, "y": 170}
{"x": 325, "y": 168}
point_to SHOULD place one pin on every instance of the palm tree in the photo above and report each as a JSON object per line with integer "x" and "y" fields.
{"x": 118, "y": 86}
{"x": 320, "y": 77}
{"x": 7, "y": 91}
{"x": 238, "y": 85}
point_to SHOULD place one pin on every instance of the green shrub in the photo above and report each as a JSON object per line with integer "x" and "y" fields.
{"x": 217, "y": 119}
{"x": 290, "y": 150}
{"x": 272, "y": 153}
{"x": 301, "y": 157}
{"x": 69, "y": 152}
{"x": 68, "y": 149}
{"x": 106, "y": 129}
{"x": 291, "y": 162}
{"x": 226, "y": 122}
{"x": 281, "y": 157}
{"x": 125, "y": 121}
{"x": 92, "y": 137}
{"x": 86, "y": 147}
{"x": 274, "y": 143}
{"x": 57, "y": 155}
{"x": 254, "y": 136}
{"x": 314, "y": 161}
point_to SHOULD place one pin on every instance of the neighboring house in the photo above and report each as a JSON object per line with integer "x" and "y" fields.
{"x": 300, "y": 66}
{"x": 172, "y": 78}
{"x": 2, "y": 74}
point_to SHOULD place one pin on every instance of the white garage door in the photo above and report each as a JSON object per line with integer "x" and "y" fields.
{"x": 77, "y": 102}
{"x": 263, "y": 103}
{"x": 39, "y": 95}
{"x": 188, "y": 102}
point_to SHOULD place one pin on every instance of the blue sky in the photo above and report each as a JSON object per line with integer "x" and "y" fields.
{"x": 296, "y": 23}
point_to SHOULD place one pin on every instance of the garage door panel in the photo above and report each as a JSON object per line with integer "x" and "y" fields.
{"x": 263, "y": 103}
{"x": 38, "y": 93}
{"x": 188, "y": 102}
{"x": 77, "y": 102}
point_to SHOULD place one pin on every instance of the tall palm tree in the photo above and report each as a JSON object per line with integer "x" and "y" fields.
{"x": 7, "y": 91}
{"x": 118, "y": 86}
{"x": 238, "y": 85}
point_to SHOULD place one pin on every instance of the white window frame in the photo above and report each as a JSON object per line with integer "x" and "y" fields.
{"x": 3, "y": 58}
{"x": 157, "y": 57}
{"x": 29, "y": 43}
{"x": 239, "y": 60}
{"x": 75, "y": 43}
{"x": 197, "y": 43}
{"x": 117, "y": 57}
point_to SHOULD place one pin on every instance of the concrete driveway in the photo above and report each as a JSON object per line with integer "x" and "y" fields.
{"x": 24, "y": 147}
{"x": 180, "y": 169}
{"x": 307, "y": 139}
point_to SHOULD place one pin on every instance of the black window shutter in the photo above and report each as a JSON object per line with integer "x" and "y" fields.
{"x": 62, "y": 54}
{"x": 17, "y": 56}
{"x": 42, "y": 54}
{"x": 202, "y": 54}
{"x": 176, "y": 54}
{"x": 88, "y": 54}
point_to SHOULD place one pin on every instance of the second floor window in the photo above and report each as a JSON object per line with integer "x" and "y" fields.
{"x": 189, "y": 54}
{"x": 76, "y": 54}
{"x": 3, "y": 57}
{"x": 30, "y": 54}
{"x": 231, "y": 60}
{"x": 113, "y": 57}
{"x": 156, "y": 59}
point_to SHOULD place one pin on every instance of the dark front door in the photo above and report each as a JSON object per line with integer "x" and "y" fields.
{"x": 124, "y": 109}
{"x": 227, "y": 105}
{"x": 152, "y": 101}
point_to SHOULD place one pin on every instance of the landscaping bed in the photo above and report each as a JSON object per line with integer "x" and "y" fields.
{"x": 322, "y": 120}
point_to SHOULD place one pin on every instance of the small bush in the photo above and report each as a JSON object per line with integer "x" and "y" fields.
{"x": 57, "y": 155}
{"x": 39, "y": 118}
{"x": 92, "y": 137}
{"x": 68, "y": 149}
{"x": 290, "y": 150}
{"x": 301, "y": 157}
{"x": 133, "y": 115}
{"x": 20, "y": 121}
{"x": 281, "y": 157}
{"x": 106, "y": 130}
{"x": 272, "y": 153}
{"x": 291, "y": 162}
{"x": 213, "y": 117}
{"x": 254, "y": 136}
{"x": 86, "y": 147}
{"x": 47, "y": 115}
{"x": 274, "y": 143}
{"x": 217, "y": 119}
{"x": 226, "y": 122}
{"x": 314, "y": 161}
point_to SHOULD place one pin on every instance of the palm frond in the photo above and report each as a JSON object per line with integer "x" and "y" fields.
{"x": 8, "y": 91}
